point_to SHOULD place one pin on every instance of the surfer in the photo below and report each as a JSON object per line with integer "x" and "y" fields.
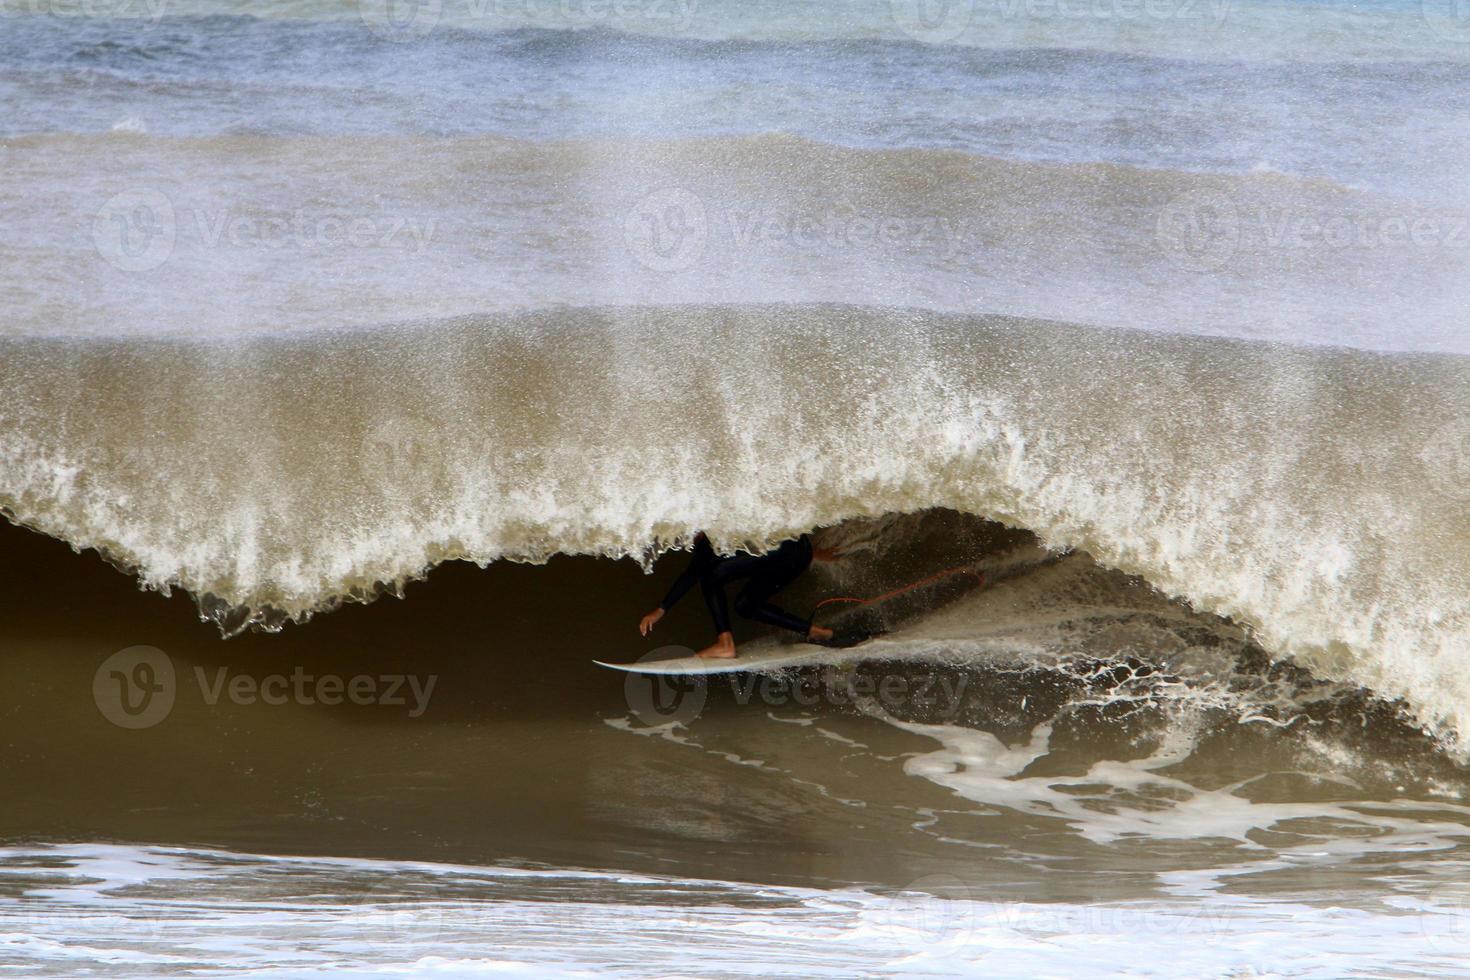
{"x": 767, "y": 574}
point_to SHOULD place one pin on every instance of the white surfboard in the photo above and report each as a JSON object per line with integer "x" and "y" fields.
{"x": 756, "y": 658}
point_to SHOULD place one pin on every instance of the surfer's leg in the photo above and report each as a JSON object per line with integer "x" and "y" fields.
{"x": 779, "y": 569}
{"x": 713, "y": 583}
{"x": 714, "y": 598}
{"x": 754, "y": 603}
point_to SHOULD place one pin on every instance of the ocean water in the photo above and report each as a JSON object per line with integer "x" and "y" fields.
{"x": 1156, "y": 312}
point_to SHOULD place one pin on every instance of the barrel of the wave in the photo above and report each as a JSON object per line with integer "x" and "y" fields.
{"x": 849, "y": 642}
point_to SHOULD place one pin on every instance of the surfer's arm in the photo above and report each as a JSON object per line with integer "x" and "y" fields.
{"x": 699, "y": 562}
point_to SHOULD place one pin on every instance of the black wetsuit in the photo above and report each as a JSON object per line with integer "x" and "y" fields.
{"x": 768, "y": 573}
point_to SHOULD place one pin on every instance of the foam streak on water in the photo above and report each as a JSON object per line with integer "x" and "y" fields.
{"x": 142, "y": 911}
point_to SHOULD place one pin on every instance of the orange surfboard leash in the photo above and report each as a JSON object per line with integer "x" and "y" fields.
{"x": 948, "y": 572}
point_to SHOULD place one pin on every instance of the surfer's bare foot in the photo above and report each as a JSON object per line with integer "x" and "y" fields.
{"x": 722, "y": 649}
{"x": 819, "y": 634}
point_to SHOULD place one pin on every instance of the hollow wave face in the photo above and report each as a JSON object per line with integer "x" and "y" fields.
{"x": 1315, "y": 496}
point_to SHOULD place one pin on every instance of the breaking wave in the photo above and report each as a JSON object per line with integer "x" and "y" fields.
{"x": 1315, "y": 496}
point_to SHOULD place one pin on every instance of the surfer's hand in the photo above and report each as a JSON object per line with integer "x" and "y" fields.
{"x": 826, "y": 554}
{"x": 646, "y": 625}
